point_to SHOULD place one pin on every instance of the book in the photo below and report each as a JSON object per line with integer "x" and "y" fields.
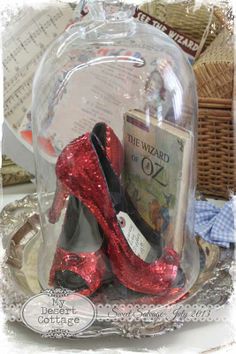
{"x": 157, "y": 173}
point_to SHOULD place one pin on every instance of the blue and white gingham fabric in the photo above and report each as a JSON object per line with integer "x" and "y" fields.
{"x": 216, "y": 225}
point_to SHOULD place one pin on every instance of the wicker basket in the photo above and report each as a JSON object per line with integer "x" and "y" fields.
{"x": 214, "y": 72}
{"x": 216, "y": 147}
{"x": 214, "y": 69}
{"x": 185, "y": 18}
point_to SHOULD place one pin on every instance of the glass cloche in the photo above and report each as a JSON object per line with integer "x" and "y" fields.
{"x": 114, "y": 126}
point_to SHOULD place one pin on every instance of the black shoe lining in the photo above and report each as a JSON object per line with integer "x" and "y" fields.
{"x": 119, "y": 199}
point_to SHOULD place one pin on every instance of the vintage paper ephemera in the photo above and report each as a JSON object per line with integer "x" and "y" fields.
{"x": 25, "y": 40}
{"x": 157, "y": 156}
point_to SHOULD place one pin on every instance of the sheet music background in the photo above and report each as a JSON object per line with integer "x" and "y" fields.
{"x": 25, "y": 39}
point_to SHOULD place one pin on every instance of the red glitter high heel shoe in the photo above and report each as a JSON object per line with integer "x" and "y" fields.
{"x": 90, "y": 177}
{"x": 84, "y": 271}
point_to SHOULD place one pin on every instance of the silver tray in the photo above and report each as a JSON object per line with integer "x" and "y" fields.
{"x": 21, "y": 239}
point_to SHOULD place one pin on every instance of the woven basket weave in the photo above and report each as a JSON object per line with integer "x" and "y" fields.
{"x": 214, "y": 69}
{"x": 184, "y": 18}
{"x": 214, "y": 72}
{"x": 12, "y": 174}
{"x": 216, "y": 147}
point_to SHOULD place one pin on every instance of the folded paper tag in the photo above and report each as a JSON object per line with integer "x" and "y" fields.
{"x": 134, "y": 237}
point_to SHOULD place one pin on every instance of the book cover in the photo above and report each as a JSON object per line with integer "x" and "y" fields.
{"x": 156, "y": 174}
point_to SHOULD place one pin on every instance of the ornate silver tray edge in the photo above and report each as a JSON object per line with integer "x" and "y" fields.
{"x": 213, "y": 287}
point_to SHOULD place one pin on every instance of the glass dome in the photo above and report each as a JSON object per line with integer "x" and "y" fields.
{"x": 114, "y": 125}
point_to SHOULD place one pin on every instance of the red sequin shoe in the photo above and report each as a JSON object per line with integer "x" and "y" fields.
{"x": 90, "y": 177}
{"x": 84, "y": 271}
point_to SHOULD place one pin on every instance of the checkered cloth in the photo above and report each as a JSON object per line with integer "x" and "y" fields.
{"x": 216, "y": 225}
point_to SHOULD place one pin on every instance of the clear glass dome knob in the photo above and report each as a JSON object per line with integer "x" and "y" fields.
{"x": 107, "y": 10}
